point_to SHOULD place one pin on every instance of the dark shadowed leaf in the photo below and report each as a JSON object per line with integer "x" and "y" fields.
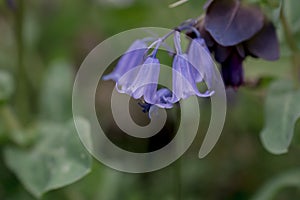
{"x": 57, "y": 159}
{"x": 229, "y": 22}
{"x": 282, "y": 109}
{"x": 265, "y": 43}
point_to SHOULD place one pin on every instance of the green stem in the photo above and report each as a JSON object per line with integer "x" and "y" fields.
{"x": 178, "y": 166}
{"x": 12, "y": 124}
{"x": 293, "y": 47}
{"x": 178, "y": 180}
{"x": 22, "y": 97}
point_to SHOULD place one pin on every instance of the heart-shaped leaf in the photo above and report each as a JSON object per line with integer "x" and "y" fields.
{"x": 57, "y": 159}
{"x": 282, "y": 109}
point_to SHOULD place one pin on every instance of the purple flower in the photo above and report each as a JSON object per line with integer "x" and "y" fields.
{"x": 232, "y": 70}
{"x": 161, "y": 100}
{"x": 184, "y": 82}
{"x": 139, "y": 78}
{"x": 132, "y": 58}
{"x": 162, "y": 97}
{"x": 230, "y": 22}
{"x": 232, "y": 31}
{"x": 141, "y": 81}
{"x": 199, "y": 57}
{"x": 185, "y": 76}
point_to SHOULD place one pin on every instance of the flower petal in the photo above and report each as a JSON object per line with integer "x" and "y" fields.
{"x": 200, "y": 59}
{"x": 162, "y": 98}
{"x": 184, "y": 83}
{"x": 177, "y": 42}
{"x": 265, "y": 43}
{"x": 229, "y": 22}
{"x": 141, "y": 81}
{"x": 232, "y": 70}
{"x": 133, "y": 57}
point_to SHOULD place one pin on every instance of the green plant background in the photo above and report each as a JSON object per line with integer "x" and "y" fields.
{"x": 42, "y": 44}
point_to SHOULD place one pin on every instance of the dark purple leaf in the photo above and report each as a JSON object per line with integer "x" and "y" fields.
{"x": 265, "y": 43}
{"x": 229, "y": 22}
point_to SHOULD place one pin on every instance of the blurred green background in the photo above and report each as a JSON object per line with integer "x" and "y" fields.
{"x": 41, "y": 49}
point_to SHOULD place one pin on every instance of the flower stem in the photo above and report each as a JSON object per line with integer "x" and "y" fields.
{"x": 13, "y": 126}
{"x": 293, "y": 47}
{"x": 177, "y": 181}
{"x": 22, "y": 97}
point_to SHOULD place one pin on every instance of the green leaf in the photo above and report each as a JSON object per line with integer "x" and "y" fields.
{"x": 277, "y": 11}
{"x": 270, "y": 7}
{"x": 57, "y": 158}
{"x": 291, "y": 10}
{"x": 6, "y": 86}
{"x": 257, "y": 68}
{"x": 269, "y": 190}
{"x": 56, "y": 92}
{"x": 282, "y": 109}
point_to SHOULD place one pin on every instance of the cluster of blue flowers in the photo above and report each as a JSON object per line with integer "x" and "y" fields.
{"x": 137, "y": 71}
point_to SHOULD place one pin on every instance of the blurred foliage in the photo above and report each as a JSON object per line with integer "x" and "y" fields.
{"x": 276, "y": 184}
{"x": 57, "y": 159}
{"x": 282, "y": 112}
{"x": 43, "y": 153}
{"x": 6, "y": 86}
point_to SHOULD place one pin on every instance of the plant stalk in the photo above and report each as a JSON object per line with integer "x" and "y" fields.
{"x": 13, "y": 126}
{"x": 293, "y": 47}
{"x": 22, "y": 96}
{"x": 177, "y": 186}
